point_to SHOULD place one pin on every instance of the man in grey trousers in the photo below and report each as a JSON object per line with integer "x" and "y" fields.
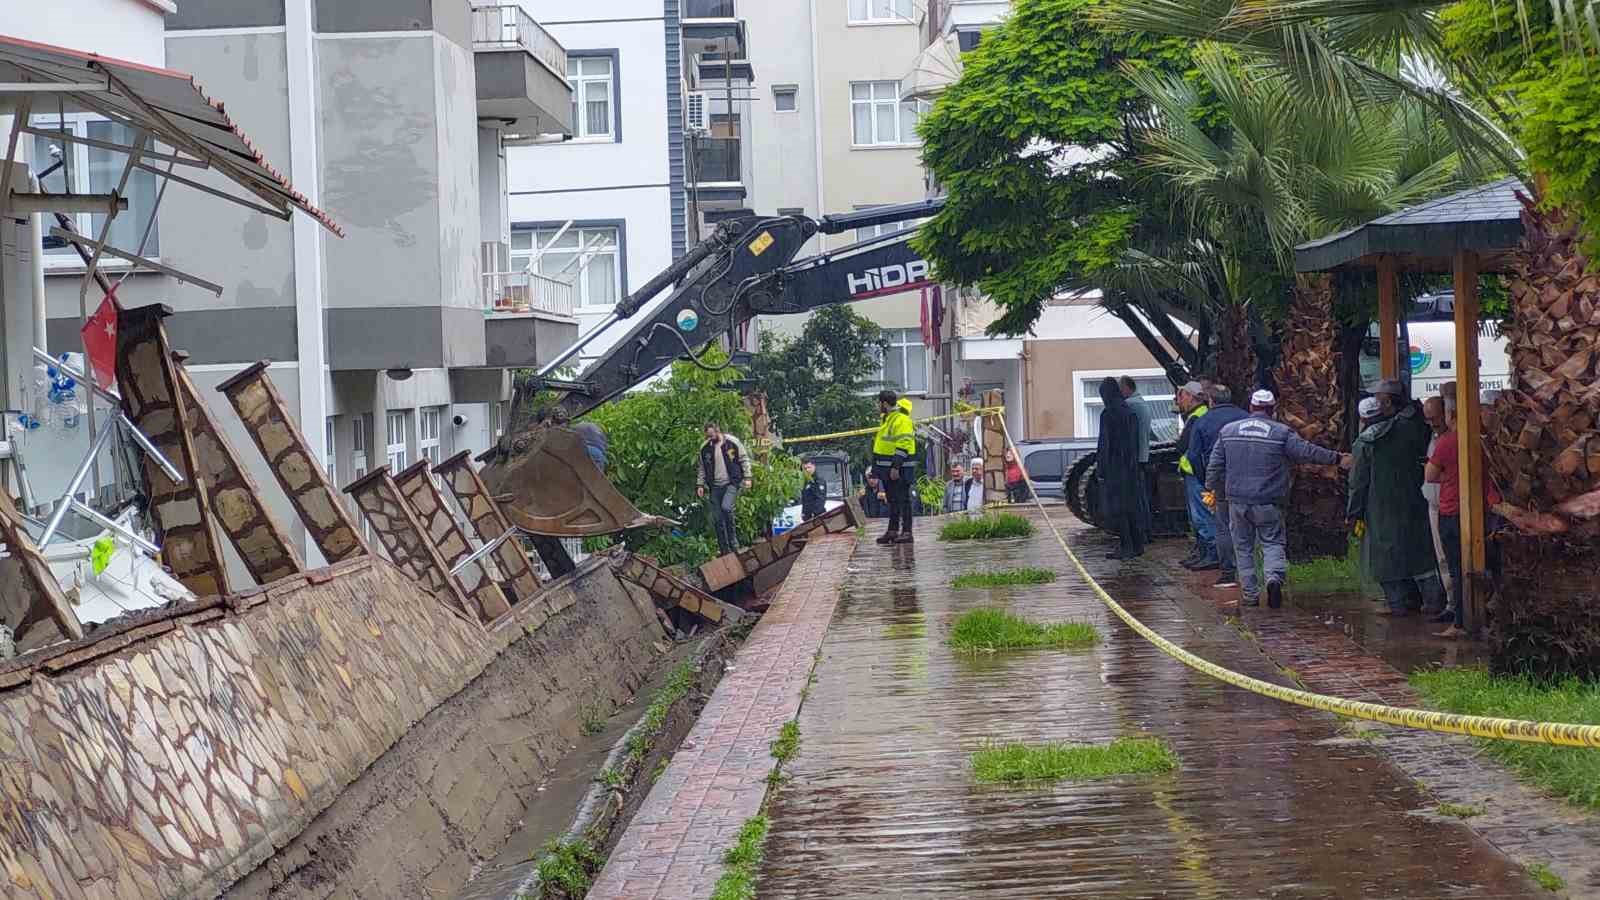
{"x": 1251, "y": 466}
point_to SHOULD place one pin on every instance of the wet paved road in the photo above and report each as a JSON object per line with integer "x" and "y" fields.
{"x": 1271, "y": 800}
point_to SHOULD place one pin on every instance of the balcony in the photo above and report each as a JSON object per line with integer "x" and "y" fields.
{"x": 717, "y": 161}
{"x": 522, "y": 72}
{"x": 712, "y": 26}
{"x": 528, "y": 317}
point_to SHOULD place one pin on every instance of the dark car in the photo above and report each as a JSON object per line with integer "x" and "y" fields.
{"x": 1048, "y": 459}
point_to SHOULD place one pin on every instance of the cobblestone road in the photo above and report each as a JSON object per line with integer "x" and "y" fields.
{"x": 1271, "y": 800}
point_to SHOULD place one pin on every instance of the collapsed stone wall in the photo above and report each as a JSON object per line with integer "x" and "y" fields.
{"x": 176, "y": 752}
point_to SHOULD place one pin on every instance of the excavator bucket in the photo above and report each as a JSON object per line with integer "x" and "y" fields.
{"x": 548, "y": 485}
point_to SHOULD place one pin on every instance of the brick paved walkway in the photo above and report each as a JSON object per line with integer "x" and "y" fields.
{"x": 673, "y": 847}
{"x": 1271, "y": 800}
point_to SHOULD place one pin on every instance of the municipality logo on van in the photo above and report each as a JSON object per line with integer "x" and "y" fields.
{"x": 1420, "y": 358}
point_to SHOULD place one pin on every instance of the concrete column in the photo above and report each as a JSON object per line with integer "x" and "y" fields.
{"x": 994, "y": 448}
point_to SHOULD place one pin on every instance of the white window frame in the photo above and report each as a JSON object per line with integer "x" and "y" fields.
{"x": 873, "y": 102}
{"x": 580, "y": 121}
{"x": 430, "y": 424}
{"x": 78, "y": 124}
{"x": 871, "y": 15}
{"x": 1086, "y": 404}
{"x": 913, "y": 338}
{"x": 330, "y": 459}
{"x": 872, "y": 231}
{"x": 396, "y": 426}
{"x": 792, "y": 91}
{"x": 577, "y": 277}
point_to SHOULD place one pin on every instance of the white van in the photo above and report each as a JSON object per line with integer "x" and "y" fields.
{"x": 1432, "y": 349}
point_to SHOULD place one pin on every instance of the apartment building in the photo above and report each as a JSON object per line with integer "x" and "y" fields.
{"x": 394, "y": 342}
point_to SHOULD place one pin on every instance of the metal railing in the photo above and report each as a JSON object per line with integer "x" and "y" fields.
{"x": 716, "y": 161}
{"x": 708, "y": 9}
{"x": 514, "y": 292}
{"x": 509, "y": 27}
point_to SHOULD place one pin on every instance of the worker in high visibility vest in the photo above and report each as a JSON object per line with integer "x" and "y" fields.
{"x": 894, "y": 460}
{"x": 1193, "y": 406}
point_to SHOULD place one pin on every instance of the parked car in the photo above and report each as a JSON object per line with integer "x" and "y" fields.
{"x": 1048, "y": 459}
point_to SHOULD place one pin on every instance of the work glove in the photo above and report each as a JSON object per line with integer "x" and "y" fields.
{"x": 1359, "y": 529}
{"x": 1209, "y": 499}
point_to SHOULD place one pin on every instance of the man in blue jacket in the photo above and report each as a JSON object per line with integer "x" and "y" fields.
{"x": 1251, "y": 464}
{"x": 1201, "y": 441}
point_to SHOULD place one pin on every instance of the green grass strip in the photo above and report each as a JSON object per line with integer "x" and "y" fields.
{"x": 1003, "y": 578}
{"x": 1072, "y": 762}
{"x": 569, "y": 866}
{"x": 788, "y": 742}
{"x": 1547, "y": 879}
{"x": 655, "y": 715}
{"x": 742, "y": 859}
{"x": 988, "y": 628}
{"x": 1572, "y": 773}
{"x": 987, "y": 527}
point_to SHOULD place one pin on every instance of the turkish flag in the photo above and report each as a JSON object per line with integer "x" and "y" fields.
{"x": 100, "y": 340}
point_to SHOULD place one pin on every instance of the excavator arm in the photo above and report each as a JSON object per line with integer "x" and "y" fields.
{"x": 747, "y": 267}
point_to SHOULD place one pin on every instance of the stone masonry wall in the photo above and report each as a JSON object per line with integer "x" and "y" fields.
{"x": 173, "y": 753}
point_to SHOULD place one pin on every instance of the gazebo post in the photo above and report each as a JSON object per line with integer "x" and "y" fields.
{"x": 1469, "y": 436}
{"x": 1388, "y": 318}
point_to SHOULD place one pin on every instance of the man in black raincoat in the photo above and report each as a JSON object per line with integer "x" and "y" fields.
{"x": 1122, "y": 496}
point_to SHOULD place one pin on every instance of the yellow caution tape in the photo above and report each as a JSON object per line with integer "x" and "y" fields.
{"x": 987, "y": 410}
{"x": 1557, "y": 733}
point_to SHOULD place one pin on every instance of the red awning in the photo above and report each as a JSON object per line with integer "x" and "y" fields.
{"x": 168, "y": 105}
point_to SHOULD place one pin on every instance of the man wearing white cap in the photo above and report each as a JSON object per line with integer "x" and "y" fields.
{"x": 1251, "y": 466}
{"x": 1385, "y": 494}
{"x": 974, "y": 504}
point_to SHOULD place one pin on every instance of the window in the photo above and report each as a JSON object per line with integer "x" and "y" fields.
{"x": 428, "y": 433}
{"x": 592, "y": 256}
{"x": 791, "y": 210}
{"x": 905, "y": 363}
{"x": 880, "y": 11}
{"x": 328, "y": 456}
{"x": 872, "y": 231}
{"x": 785, "y": 98}
{"x": 592, "y": 95}
{"x": 1156, "y": 390}
{"x": 95, "y": 170}
{"x": 878, "y": 118}
{"x": 1045, "y": 465}
{"x": 397, "y": 442}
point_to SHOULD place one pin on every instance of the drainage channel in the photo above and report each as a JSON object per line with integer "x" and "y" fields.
{"x": 589, "y": 798}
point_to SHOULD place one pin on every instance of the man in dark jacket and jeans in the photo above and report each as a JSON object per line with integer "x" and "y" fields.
{"x": 1250, "y": 465}
{"x": 1202, "y": 438}
{"x": 725, "y": 470}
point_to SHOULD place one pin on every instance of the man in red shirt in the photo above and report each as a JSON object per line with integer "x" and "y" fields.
{"x": 1444, "y": 469}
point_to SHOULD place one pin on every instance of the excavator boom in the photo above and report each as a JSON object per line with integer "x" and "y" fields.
{"x": 746, "y": 268}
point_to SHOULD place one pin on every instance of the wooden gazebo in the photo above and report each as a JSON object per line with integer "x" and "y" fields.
{"x": 1465, "y": 234}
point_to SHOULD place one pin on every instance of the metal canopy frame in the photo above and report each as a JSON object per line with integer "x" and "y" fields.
{"x": 1465, "y": 234}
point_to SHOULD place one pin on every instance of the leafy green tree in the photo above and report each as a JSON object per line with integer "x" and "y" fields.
{"x": 655, "y": 436}
{"x": 821, "y": 381}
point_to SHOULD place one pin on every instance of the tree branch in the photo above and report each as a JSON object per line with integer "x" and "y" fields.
{"x": 1176, "y": 371}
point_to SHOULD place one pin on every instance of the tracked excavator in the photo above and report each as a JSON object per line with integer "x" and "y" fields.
{"x": 540, "y": 470}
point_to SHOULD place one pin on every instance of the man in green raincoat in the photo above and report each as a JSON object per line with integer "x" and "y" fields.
{"x": 1386, "y": 495}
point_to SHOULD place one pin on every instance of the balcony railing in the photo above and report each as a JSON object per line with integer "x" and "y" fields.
{"x": 510, "y": 28}
{"x": 708, "y": 9}
{"x": 521, "y": 292}
{"x": 716, "y": 161}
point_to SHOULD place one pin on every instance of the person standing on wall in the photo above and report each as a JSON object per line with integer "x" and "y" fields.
{"x": 894, "y": 460}
{"x": 1193, "y": 406}
{"x": 724, "y": 470}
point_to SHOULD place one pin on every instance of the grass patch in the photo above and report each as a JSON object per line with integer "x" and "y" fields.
{"x": 987, "y": 527}
{"x": 788, "y": 742}
{"x": 1572, "y": 773}
{"x": 1460, "y": 810}
{"x": 655, "y": 715}
{"x": 988, "y": 629}
{"x": 661, "y": 769}
{"x": 1003, "y": 578}
{"x": 592, "y": 717}
{"x": 610, "y": 777}
{"x": 742, "y": 859}
{"x": 1547, "y": 879}
{"x": 568, "y": 866}
{"x": 1072, "y": 762}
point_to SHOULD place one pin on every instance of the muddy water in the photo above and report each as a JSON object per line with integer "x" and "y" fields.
{"x": 1270, "y": 801}
{"x": 1406, "y": 643}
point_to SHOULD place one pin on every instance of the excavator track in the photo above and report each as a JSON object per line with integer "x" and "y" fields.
{"x": 1169, "y": 515}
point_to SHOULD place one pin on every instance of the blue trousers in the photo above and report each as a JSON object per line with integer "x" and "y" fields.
{"x": 1205, "y": 524}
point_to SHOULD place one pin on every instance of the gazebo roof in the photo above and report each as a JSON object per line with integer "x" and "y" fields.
{"x": 1486, "y": 219}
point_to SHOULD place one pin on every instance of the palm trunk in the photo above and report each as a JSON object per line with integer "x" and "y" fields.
{"x": 1311, "y": 401}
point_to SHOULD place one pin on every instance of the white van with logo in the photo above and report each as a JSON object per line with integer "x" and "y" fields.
{"x": 1431, "y": 349}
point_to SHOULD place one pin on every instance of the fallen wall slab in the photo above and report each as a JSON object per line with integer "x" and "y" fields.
{"x": 173, "y": 754}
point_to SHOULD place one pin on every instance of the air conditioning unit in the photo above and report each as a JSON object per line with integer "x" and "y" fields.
{"x": 697, "y": 111}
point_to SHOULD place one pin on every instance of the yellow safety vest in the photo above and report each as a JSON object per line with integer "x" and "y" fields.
{"x": 1183, "y": 461}
{"x": 896, "y": 433}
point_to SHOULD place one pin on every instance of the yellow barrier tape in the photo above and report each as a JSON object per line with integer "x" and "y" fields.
{"x": 874, "y": 429}
{"x": 1557, "y": 733}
